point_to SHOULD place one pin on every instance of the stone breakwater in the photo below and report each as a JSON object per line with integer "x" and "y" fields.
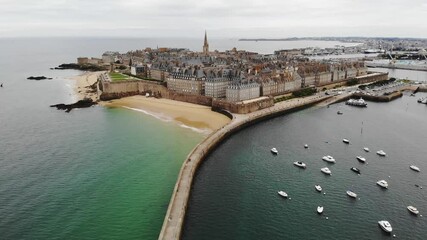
{"x": 174, "y": 219}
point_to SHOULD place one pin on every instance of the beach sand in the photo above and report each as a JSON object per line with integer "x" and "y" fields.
{"x": 83, "y": 83}
{"x": 188, "y": 114}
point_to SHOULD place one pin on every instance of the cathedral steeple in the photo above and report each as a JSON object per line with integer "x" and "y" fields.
{"x": 206, "y": 44}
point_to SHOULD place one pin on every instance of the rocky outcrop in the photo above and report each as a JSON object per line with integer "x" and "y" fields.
{"x": 85, "y": 103}
{"x": 82, "y": 67}
{"x": 38, "y": 78}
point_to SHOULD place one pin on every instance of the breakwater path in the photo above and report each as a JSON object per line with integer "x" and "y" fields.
{"x": 174, "y": 219}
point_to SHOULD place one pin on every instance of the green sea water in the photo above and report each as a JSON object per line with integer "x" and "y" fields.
{"x": 96, "y": 173}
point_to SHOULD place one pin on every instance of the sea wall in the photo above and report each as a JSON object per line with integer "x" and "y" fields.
{"x": 114, "y": 90}
{"x": 174, "y": 219}
{"x": 244, "y": 107}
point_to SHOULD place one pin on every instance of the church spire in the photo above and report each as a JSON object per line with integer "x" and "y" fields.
{"x": 206, "y": 44}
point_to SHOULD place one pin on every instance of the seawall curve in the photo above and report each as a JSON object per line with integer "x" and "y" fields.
{"x": 174, "y": 219}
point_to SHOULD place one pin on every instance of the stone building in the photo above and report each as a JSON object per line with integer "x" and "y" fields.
{"x": 242, "y": 91}
{"x": 188, "y": 82}
{"x": 216, "y": 87}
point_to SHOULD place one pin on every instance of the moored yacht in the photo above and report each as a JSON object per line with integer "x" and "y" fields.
{"x": 357, "y": 102}
{"x": 351, "y": 194}
{"x": 283, "y": 194}
{"x": 274, "y": 151}
{"x": 326, "y": 170}
{"x": 381, "y": 153}
{"x": 413, "y": 210}
{"x": 382, "y": 183}
{"x": 339, "y": 113}
{"x": 300, "y": 164}
{"x": 366, "y": 149}
{"x": 318, "y": 188}
{"x": 356, "y": 170}
{"x": 385, "y": 225}
{"x": 305, "y": 145}
{"x": 345, "y": 140}
{"x": 415, "y": 168}
{"x": 361, "y": 159}
{"x": 328, "y": 159}
{"x": 320, "y": 209}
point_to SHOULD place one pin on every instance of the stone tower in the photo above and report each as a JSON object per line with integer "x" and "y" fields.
{"x": 206, "y": 45}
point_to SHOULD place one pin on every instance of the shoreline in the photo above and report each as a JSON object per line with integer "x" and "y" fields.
{"x": 196, "y": 117}
{"x": 82, "y": 85}
{"x": 175, "y": 215}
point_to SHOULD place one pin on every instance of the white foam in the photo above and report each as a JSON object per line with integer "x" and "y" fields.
{"x": 165, "y": 118}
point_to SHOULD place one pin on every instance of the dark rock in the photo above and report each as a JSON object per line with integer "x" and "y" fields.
{"x": 38, "y": 78}
{"x": 83, "y": 67}
{"x": 85, "y": 103}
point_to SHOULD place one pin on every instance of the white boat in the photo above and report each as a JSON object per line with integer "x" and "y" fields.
{"x": 356, "y": 170}
{"x": 300, "y": 164}
{"x": 346, "y": 141}
{"x": 320, "y": 209}
{"x": 381, "y": 153}
{"x": 386, "y": 226}
{"x": 318, "y": 188}
{"x": 283, "y": 194}
{"x": 366, "y": 149}
{"x": 326, "y": 170}
{"x": 351, "y": 194}
{"x": 328, "y": 159}
{"x": 274, "y": 151}
{"x": 357, "y": 102}
{"x": 382, "y": 183}
{"x": 415, "y": 168}
{"x": 361, "y": 159}
{"x": 413, "y": 210}
{"x": 306, "y": 146}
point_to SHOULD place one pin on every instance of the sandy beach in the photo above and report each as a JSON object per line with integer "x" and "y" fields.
{"x": 191, "y": 115}
{"x": 83, "y": 83}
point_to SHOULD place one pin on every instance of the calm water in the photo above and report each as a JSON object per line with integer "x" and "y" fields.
{"x": 235, "y": 191}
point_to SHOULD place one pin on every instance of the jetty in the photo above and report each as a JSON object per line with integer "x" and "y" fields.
{"x": 175, "y": 215}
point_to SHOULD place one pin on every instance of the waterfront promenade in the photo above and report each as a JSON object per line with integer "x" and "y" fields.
{"x": 174, "y": 219}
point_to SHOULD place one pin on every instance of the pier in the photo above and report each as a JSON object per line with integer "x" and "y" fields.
{"x": 175, "y": 215}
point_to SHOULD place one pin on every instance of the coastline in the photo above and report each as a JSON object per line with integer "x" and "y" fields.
{"x": 198, "y": 117}
{"x": 83, "y": 83}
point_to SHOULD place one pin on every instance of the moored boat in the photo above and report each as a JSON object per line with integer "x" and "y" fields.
{"x": 300, "y": 164}
{"x": 326, "y": 171}
{"x": 415, "y": 168}
{"x": 381, "y": 153}
{"x": 361, "y": 159}
{"x": 366, "y": 149}
{"x": 356, "y": 170}
{"x": 283, "y": 194}
{"x": 274, "y": 151}
{"x": 382, "y": 183}
{"x": 385, "y": 225}
{"x": 320, "y": 209}
{"x": 305, "y": 145}
{"x": 357, "y": 102}
{"x": 413, "y": 210}
{"x": 351, "y": 194}
{"x": 328, "y": 159}
{"x": 318, "y": 188}
{"x": 345, "y": 140}
{"x": 339, "y": 113}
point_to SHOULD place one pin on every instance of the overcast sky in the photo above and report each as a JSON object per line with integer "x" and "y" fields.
{"x": 221, "y": 18}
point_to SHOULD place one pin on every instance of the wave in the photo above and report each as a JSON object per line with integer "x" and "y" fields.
{"x": 165, "y": 118}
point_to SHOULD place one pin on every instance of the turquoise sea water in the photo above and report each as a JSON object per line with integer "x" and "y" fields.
{"x": 235, "y": 196}
{"x": 94, "y": 173}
